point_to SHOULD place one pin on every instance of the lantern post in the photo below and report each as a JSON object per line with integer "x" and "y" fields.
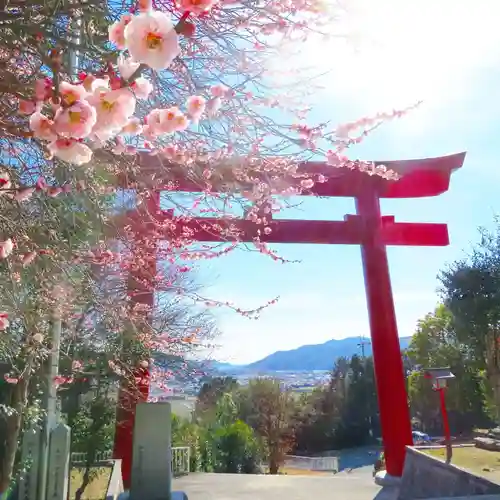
{"x": 440, "y": 377}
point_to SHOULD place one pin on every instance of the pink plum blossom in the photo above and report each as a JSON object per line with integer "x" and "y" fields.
{"x": 76, "y": 120}
{"x": 307, "y": 183}
{"x": 213, "y": 106}
{"x": 42, "y": 127}
{"x": 4, "y": 321}
{"x": 28, "y": 258}
{"x": 71, "y": 151}
{"x": 127, "y": 66}
{"x": 114, "y": 108}
{"x": 197, "y": 7}
{"x": 6, "y": 248}
{"x": 76, "y": 365}
{"x": 119, "y": 147}
{"x": 195, "y": 106}
{"x": 43, "y": 89}
{"x": 5, "y": 183}
{"x": 26, "y": 107}
{"x": 144, "y": 5}
{"x": 151, "y": 39}
{"x": 142, "y": 87}
{"x": 24, "y": 194}
{"x": 169, "y": 121}
{"x": 219, "y": 90}
{"x": 71, "y": 93}
{"x": 132, "y": 127}
{"x": 116, "y": 31}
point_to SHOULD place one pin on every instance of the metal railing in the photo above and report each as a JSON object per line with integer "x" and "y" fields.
{"x": 312, "y": 463}
{"x": 181, "y": 456}
{"x": 78, "y": 458}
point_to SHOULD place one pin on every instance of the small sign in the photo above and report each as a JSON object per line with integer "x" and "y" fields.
{"x": 152, "y": 455}
{"x": 58, "y": 465}
{"x": 30, "y": 453}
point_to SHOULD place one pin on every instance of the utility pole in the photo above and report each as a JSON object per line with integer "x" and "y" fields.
{"x": 52, "y": 416}
{"x": 362, "y": 343}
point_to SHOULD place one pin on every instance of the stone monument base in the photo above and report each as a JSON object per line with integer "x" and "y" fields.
{"x": 175, "y": 495}
{"x": 384, "y": 479}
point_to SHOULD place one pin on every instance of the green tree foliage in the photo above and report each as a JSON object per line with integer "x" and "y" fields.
{"x": 471, "y": 291}
{"x": 342, "y": 414}
{"x": 210, "y": 393}
{"x": 92, "y": 433}
{"x": 435, "y": 344}
{"x": 224, "y": 445}
{"x": 269, "y": 409}
{"x": 237, "y": 449}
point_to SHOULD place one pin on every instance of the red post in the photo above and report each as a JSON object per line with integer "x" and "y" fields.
{"x": 444, "y": 413}
{"x": 388, "y": 363}
{"x": 446, "y": 425}
{"x": 141, "y": 291}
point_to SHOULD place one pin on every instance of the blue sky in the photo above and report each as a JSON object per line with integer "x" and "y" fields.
{"x": 445, "y": 52}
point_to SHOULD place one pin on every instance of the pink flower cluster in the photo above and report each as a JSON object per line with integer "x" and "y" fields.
{"x": 75, "y": 118}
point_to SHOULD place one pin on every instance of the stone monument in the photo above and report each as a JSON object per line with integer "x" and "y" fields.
{"x": 152, "y": 455}
{"x": 58, "y": 464}
{"x": 30, "y": 453}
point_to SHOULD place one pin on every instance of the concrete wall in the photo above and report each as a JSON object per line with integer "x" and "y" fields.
{"x": 427, "y": 477}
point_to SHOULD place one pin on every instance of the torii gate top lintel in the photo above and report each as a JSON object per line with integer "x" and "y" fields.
{"x": 418, "y": 178}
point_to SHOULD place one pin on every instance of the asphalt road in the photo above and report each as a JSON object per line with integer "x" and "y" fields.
{"x": 357, "y": 485}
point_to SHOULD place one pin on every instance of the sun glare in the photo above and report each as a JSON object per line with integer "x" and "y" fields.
{"x": 395, "y": 52}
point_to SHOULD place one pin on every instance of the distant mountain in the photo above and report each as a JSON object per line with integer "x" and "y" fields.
{"x": 312, "y": 357}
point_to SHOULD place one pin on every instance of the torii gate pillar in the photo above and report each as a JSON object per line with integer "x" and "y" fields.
{"x": 388, "y": 363}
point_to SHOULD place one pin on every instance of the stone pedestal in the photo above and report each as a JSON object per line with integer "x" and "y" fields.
{"x": 386, "y": 480}
{"x": 175, "y": 495}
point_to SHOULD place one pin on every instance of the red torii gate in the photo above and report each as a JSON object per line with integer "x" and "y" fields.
{"x": 368, "y": 228}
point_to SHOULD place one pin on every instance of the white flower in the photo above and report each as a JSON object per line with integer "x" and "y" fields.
{"x": 70, "y": 151}
{"x": 142, "y": 87}
{"x": 151, "y": 39}
{"x": 6, "y": 248}
{"x": 195, "y": 106}
{"x": 114, "y": 108}
{"x": 126, "y": 66}
{"x": 42, "y": 127}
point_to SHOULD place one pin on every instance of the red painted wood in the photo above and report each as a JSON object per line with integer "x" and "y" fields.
{"x": 419, "y": 178}
{"x": 387, "y": 359}
{"x": 444, "y": 413}
{"x": 349, "y": 232}
{"x": 141, "y": 286}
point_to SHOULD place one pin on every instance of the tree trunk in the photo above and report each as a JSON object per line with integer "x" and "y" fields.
{"x": 493, "y": 369}
{"x": 273, "y": 467}
{"x": 85, "y": 482}
{"x": 13, "y": 429}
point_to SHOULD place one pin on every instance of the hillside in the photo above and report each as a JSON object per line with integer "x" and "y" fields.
{"x": 313, "y": 357}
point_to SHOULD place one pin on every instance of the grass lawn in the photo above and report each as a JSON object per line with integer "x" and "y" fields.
{"x": 474, "y": 459}
{"x": 96, "y": 490}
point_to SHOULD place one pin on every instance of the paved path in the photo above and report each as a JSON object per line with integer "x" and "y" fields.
{"x": 358, "y": 485}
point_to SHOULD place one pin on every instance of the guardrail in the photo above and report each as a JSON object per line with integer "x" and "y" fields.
{"x": 181, "y": 456}
{"x": 312, "y": 463}
{"x": 78, "y": 458}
